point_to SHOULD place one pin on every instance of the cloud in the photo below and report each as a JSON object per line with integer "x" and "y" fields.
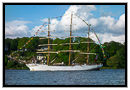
{"x": 94, "y": 22}
{"x": 43, "y": 30}
{"x": 39, "y": 31}
{"x": 16, "y": 28}
{"x": 44, "y": 20}
{"x": 121, "y": 23}
{"x": 84, "y": 11}
{"x": 107, "y": 27}
{"x": 62, "y": 26}
{"x": 107, "y": 37}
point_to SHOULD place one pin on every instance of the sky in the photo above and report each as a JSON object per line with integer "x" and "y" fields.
{"x": 108, "y": 21}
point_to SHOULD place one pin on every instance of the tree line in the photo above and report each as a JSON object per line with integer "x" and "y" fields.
{"x": 114, "y": 51}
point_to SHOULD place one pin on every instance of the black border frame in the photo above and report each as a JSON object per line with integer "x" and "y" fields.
{"x": 61, "y": 3}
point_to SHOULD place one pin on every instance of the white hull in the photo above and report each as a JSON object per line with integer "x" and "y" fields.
{"x": 41, "y": 67}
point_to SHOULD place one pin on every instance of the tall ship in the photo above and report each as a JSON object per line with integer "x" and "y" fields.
{"x": 47, "y": 64}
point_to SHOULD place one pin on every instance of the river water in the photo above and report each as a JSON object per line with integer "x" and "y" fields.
{"x": 101, "y": 77}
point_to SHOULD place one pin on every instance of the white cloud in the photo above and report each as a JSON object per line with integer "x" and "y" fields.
{"x": 39, "y": 31}
{"x": 84, "y": 11}
{"x": 44, "y": 20}
{"x": 93, "y": 22}
{"x": 108, "y": 21}
{"x": 107, "y": 27}
{"x": 62, "y": 26}
{"x": 16, "y": 28}
{"x": 121, "y": 23}
{"x": 107, "y": 37}
{"x": 81, "y": 10}
{"x": 53, "y": 24}
{"x": 43, "y": 30}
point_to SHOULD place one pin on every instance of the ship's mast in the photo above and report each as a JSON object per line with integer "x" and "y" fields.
{"x": 48, "y": 52}
{"x": 48, "y": 58}
{"x": 70, "y": 40}
{"x": 88, "y": 46}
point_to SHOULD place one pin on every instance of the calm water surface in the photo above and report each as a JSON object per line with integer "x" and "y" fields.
{"x": 102, "y": 77}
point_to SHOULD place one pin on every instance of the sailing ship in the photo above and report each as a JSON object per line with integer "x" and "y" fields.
{"x": 60, "y": 66}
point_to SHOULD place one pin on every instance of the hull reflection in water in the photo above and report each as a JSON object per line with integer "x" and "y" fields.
{"x": 41, "y": 67}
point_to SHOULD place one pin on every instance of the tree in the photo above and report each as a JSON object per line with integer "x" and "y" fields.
{"x": 121, "y": 55}
{"x": 33, "y": 44}
{"x": 22, "y": 42}
{"x": 6, "y": 60}
{"x": 7, "y": 45}
{"x": 13, "y": 44}
{"x": 118, "y": 60}
{"x": 113, "y": 61}
{"x": 112, "y": 47}
{"x": 11, "y": 64}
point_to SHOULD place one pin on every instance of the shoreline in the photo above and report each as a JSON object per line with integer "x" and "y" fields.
{"x": 100, "y": 68}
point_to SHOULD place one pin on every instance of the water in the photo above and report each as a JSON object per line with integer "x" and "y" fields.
{"x": 102, "y": 77}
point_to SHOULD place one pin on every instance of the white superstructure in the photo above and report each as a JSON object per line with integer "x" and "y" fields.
{"x": 41, "y": 67}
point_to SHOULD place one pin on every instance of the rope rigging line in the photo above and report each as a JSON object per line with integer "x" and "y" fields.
{"x": 93, "y": 48}
{"x": 100, "y": 45}
{"x": 75, "y": 59}
{"x": 59, "y": 16}
{"x": 96, "y": 58}
{"x": 95, "y": 35}
{"x": 53, "y": 59}
{"x": 33, "y": 35}
{"x": 36, "y": 33}
{"x": 82, "y": 19}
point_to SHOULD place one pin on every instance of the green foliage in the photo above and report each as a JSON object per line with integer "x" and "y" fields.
{"x": 15, "y": 65}
{"x": 111, "y": 50}
{"x": 22, "y": 42}
{"x": 112, "y": 47}
{"x": 14, "y": 44}
{"x": 11, "y": 64}
{"x": 6, "y": 60}
{"x": 114, "y": 51}
{"x": 80, "y": 59}
{"x": 33, "y": 44}
{"x": 121, "y": 55}
{"x": 118, "y": 60}
{"x": 7, "y": 45}
{"x": 113, "y": 61}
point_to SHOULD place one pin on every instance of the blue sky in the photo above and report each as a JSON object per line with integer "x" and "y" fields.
{"x": 35, "y": 13}
{"x": 112, "y": 10}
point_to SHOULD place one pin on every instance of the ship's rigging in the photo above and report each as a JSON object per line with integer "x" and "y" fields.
{"x": 70, "y": 51}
